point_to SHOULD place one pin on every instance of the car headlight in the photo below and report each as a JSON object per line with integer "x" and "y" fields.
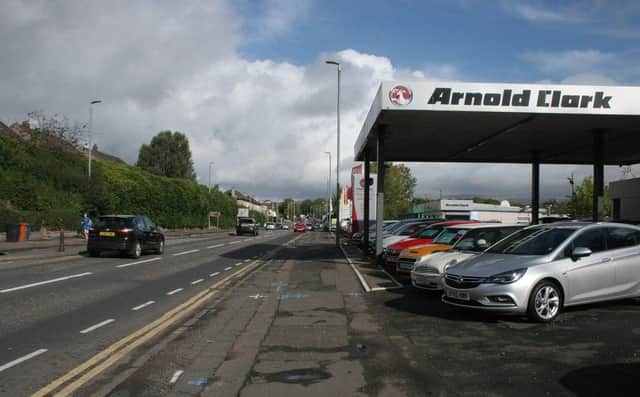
{"x": 507, "y": 277}
{"x": 448, "y": 265}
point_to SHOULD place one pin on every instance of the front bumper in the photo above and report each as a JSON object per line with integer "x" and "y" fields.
{"x": 506, "y": 298}
{"x": 428, "y": 281}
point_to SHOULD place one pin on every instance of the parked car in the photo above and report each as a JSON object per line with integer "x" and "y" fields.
{"x": 299, "y": 227}
{"x": 541, "y": 269}
{"x": 429, "y": 267}
{"x": 443, "y": 242}
{"x": 246, "y": 226}
{"x": 129, "y": 234}
{"x": 424, "y": 235}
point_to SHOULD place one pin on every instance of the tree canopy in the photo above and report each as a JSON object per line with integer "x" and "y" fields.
{"x": 168, "y": 155}
{"x": 398, "y": 190}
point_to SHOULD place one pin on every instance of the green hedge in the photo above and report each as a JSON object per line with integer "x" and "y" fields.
{"x": 49, "y": 188}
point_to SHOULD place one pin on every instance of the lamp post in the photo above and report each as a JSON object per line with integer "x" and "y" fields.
{"x": 210, "y": 164}
{"x": 91, "y": 131}
{"x": 329, "y": 194}
{"x": 337, "y": 157}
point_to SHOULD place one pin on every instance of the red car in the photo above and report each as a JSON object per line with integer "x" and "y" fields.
{"x": 421, "y": 237}
{"x": 299, "y": 227}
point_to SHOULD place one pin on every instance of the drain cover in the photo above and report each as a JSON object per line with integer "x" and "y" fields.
{"x": 299, "y": 376}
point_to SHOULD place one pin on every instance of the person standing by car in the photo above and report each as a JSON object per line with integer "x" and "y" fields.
{"x": 86, "y": 225}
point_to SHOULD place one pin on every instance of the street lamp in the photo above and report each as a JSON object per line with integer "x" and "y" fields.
{"x": 329, "y": 194}
{"x": 91, "y": 131}
{"x": 337, "y": 158}
{"x": 210, "y": 164}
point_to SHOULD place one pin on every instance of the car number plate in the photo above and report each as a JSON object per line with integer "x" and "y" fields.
{"x": 458, "y": 295}
{"x": 107, "y": 234}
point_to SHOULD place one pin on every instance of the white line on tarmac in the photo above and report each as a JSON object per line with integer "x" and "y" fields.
{"x": 235, "y": 242}
{"x": 246, "y": 260}
{"x": 248, "y": 239}
{"x": 214, "y": 274}
{"x": 176, "y": 376}
{"x": 143, "y": 305}
{"x": 226, "y": 269}
{"x": 45, "y": 282}
{"x": 186, "y": 252}
{"x": 139, "y": 262}
{"x": 197, "y": 281}
{"x": 175, "y": 291}
{"x": 216, "y": 246}
{"x": 238, "y": 264}
{"x": 22, "y": 359}
{"x": 94, "y": 327}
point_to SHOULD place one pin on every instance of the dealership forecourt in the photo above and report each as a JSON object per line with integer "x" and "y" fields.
{"x": 499, "y": 123}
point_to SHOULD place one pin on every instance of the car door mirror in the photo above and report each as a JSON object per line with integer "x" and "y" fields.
{"x": 580, "y": 252}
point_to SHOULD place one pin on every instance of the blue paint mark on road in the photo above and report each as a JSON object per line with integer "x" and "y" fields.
{"x": 291, "y": 296}
{"x": 279, "y": 287}
{"x": 198, "y": 382}
{"x": 355, "y": 294}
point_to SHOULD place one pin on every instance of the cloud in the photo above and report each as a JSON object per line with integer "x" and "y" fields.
{"x": 541, "y": 14}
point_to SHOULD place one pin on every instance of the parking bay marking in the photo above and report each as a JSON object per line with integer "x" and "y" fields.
{"x": 175, "y": 291}
{"x": 55, "y": 280}
{"x": 94, "y": 327}
{"x": 22, "y": 359}
{"x": 186, "y": 252}
{"x": 143, "y": 305}
{"x": 139, "y": 262}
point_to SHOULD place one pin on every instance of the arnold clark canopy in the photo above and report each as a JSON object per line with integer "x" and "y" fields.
{"x": 503, "y": 123}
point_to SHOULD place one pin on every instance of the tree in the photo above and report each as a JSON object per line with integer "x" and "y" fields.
{"x": 169, "y": 155}
{"x": 398, "y": 190}
{"x": 584, "y": 199}
{"x": 486, "y": 200}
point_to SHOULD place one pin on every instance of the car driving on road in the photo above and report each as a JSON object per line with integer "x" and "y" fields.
{"x": 541, "y": 269}
{"x": 247, "y": 226}
{"x": 129, "y": 234}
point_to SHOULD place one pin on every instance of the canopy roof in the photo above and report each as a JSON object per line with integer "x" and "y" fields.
{"x": 502, "y": 123}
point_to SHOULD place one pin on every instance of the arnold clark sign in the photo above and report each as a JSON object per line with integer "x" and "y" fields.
{"x": 521, "y": 98}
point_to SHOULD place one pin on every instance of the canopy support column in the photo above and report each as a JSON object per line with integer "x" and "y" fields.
{"x": 598, "y": 175}
{"x": 367, "y": 193}
{"x": 380, "y": 193}
{"x": 535, "y": 188}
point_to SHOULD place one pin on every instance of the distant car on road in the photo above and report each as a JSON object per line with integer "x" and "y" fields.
{"x": 285, "y": 226}
{"x": 308, "y": 226}
{"x": 247, "y": 226}
{"x": 129, "y": 234}
{"x": 299, "y": 227}
{"x": 270, "y": 226}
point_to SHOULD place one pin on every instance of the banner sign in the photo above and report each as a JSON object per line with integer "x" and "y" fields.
{"x": 358, "y": 186}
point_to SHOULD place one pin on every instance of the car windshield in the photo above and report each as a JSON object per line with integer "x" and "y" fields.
{"x": 449, "y": 236}
{"x": 246, "y": 220}
{"x": 114, "y": 223}
{"x": 534, "y": 241}
{"x": 428, "y": 232}
{"x": 478, "y": 240}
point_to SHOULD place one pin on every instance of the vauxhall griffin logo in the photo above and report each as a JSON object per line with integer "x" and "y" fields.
{"x": 400, "y": 95}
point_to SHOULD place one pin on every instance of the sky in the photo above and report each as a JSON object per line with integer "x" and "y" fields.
{"x": 246, "y": 80}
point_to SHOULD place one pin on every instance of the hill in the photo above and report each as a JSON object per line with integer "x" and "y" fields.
{"x": 47, "y": 185}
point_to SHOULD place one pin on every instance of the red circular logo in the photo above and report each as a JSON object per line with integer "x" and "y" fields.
{"x": 400, "y": 95}
{"x": 362, "y": 182}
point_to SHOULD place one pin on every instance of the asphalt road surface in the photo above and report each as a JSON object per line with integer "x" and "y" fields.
{"x": 56, "y": 314}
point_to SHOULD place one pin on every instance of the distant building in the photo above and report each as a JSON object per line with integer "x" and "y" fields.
{"x": 469, "y": 210}
{"x": 246, "y": 201}
{"x": 625, "y": 199}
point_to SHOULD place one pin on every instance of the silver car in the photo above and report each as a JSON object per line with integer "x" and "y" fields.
{"x": 541, "y": 269}
{"x": 428, "y": 270}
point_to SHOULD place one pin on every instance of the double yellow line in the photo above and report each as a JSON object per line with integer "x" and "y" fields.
{"x": 108, "y": 357}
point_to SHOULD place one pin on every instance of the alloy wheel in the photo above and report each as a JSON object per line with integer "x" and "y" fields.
{"x": 547, "y": 302}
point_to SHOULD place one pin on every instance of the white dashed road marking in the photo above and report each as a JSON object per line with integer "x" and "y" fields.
{"x": 94, "y": 327}
{"x": 226, "y": 269}
{"x": 22, "y": 359}
{"x": 197, "y": 281}
{"x": 216, "y": 246}
{"x": 137, "y": 263}
{"x": 246, "y": 260}
{"x": 175, "y": 291}
{"x": 186, "y": 252}
{"x": 143, "y": 305}
{"x": 214, "y": 274}
{"x": 45, "y": 282}
{"x": 238, "y": 264}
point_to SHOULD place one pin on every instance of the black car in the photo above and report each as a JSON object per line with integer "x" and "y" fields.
{"x": 129, "y": 234}
{"x": 247, "y": 226}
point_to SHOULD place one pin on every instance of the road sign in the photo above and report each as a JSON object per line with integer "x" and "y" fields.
{"x": 244, "y": 212}
{"x": 214, "y": 213}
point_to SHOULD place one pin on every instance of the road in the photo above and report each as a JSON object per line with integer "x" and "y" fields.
{"x": 58, "y": 313}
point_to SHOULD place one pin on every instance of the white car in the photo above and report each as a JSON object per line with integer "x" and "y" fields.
{"x": 270, "y": 226}
{"x": 428, "y": 270}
